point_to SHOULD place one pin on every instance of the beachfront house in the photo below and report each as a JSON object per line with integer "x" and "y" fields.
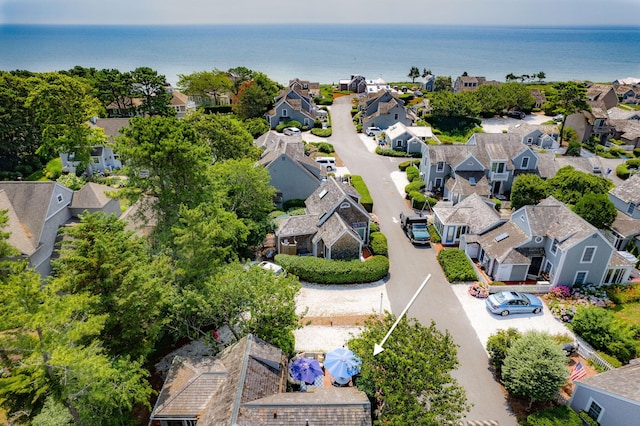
{"x": 356, "y": 84}
{"x": 467, "y": 83}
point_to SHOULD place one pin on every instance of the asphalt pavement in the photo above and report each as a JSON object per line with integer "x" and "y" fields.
{"x": 410, "y": 265}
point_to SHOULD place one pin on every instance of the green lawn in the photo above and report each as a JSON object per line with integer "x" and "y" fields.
{"x": 629, "y": 312}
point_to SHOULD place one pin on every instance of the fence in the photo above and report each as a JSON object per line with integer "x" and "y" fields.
{"x": 587, "y": 352}
{"x": 525, "y": 288}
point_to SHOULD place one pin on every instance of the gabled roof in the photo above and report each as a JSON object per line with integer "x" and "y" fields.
{"x": 547, "y": 165}
{"x": 329, "y": 195}
{"x": 628, "y": 191}
{"x": 626, "y": 225}
{"x": 623, "y": 382}
{"x": 552, "y": 219}
{"x": 28, "y": 203}
{"x": 111, "y": 126}
{"x": 298, "y": 225}
{"x": 331, "y": 230}
{"x": 327, "y": 406}
{"x": 473, "y": 211}
{"x": 255, "y": 369}
{"x": 468, "y": 183}
{"x": 91, "y": 196}
{"x": 623, "y": 114}
{"x": 293, "y": 149}
{"x": 497, "y": 147}
{"x": 628, "y": 129}
{"x": 505, "y": 249}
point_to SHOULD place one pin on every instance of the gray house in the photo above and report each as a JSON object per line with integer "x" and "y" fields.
{"x": 549, "y": 241}
{"x": 336, "y": 225}
{"x": 611, "y": 398}
{"x": 292, "y": 105}
{"x": 601, "y": 98}
{"x": 488, "y": 162}
{"x": 545, "y": 136}
{"x": 383, "y": 110}
{"x": 626, "y": 227}
{"x": 293, "y": 174}
{"x": 36, "y": 210}
{"x": 357, "y": 84}
{"x": 408, "y": 138}
{"x": 473, "y": 215}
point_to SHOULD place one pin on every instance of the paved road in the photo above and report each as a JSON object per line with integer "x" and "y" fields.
{"x": 410, "y": 265}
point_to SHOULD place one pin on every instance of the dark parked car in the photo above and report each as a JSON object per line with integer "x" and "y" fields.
{"x": 516, "y": 114}
{"x": 416, "y": 228}
{"x": 513, "y": 302}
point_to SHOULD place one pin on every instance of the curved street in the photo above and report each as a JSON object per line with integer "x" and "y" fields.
{"x": 409, "y": 266}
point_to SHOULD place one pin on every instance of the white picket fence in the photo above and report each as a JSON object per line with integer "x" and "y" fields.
{"x": 587, "y": 352}
{"x": 524, "y": 288}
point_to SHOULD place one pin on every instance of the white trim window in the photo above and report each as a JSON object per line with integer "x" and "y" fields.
{"x": 60, "y": 198}
{"x": 440, "y": 166}
{"x": 525, "y": 163}
{"x": 632, "y": 207}
{"x": 554, "y": 246}
{"x": 588, "y": 254}
{"x": 594, "y": 410}
{"x": 581, "y": 277}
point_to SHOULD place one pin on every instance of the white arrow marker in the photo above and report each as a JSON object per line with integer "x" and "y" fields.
{"x": 378, "y": 348}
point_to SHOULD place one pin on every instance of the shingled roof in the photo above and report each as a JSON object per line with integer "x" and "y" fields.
{"x": 628, "y": 191}
{"x": 623, "y": 382}
{"x": 473, "y": 211}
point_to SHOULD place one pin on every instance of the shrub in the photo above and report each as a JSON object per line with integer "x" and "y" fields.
{"x": 71, "y": 181}
{"x": 435, "y": 237}
{"x": 456, "y": 266}
{"x": 323, "y": 147}
{"x": 403, "y": 166}
{"x": 613, "y": 361}
{"x": 560, "y": 415}
{"x": 297, "y": 212}
{"x": 373, "y": 227}
{"x": 322, "y": 133}
{"x": 498, "y": 345}
{"x": 622, "y": 171}
{"x": 293, "y": 204}
{"x": 621, "y": 294}
{"x": 391, "y": 152}
{"x": 379, "y": 244}
{"x": 412, "y": 173}
{"x": 361, "y": 187}
{"x": 498, "y": 203}
{"x": 415, "y": 185}
{"x": 636, "y": 152}
{"x": 421, "y": 201}
{"x": 324, "y": 271}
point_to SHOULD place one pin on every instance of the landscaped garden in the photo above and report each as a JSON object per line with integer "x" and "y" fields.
{"x": 606, "y": 317}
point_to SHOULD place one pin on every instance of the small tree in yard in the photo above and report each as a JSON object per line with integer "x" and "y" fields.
{"x": 535, "y": 367}
{"x": 596, "y": 209}
{"x": 498, "y": 346}
{"x": 411, "y": 379}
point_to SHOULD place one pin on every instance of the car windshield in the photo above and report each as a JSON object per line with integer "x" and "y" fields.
{"x": 499, "y": 297}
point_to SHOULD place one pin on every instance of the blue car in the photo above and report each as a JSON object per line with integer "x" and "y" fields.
{"x": 513, "y": 302}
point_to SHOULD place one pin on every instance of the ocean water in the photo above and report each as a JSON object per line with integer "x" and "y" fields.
{"x": 328, "y": 53}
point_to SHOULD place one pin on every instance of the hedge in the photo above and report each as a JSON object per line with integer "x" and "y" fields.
{"x": 293, "y": 203}
{"x": 561, "y": 415}
{"x": 421, "y": 201}
{"x": 415, "y": 185}
{"x": 379, "y": 244}
{"x": 324, "y": 271}
{"x": 622, "y": 171}
{"x": 403, "y": 166}
{"x": 394, "y": 153}
{"x": 456, "y": 266}
{"x": 435, "y": 237}
{"x": 322, "y": 133}
{"x": 412, "y": 173}
{"x": 361, "y": 187}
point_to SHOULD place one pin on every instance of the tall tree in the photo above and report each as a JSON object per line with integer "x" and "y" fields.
{"x": 100, "y": 258}
{"x": 205, "y": 84}
{"x": 597, "y": 209}
{"x": 64, "y": 105}
{"x": 535, "y": 367}
{"x": 166, "y": 162}
{"x": 48, "y": 347}
{"x": 152, "y": 88}
{"x": 527, "y": 190}
{"x": 568, "y": 98}
{"x": 570, "y": 185}
{"x": 20, "y": 132}
{"x": 414, "y": 73}
{"x": 425, "y": 72}
{"x": 226, "y": 136}
{"x": 442, "y": 84}
{"x": 410, "y": 381}
{"x": 115, "y": 87}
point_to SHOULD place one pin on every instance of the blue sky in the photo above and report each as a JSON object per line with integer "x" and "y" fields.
{"x": 466, "y": 12}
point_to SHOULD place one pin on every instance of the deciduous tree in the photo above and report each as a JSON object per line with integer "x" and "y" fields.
{"x": 527, "y": 190}
{"x": 535, "y": 367}
{"x": 568, "y": 98}
{"x": 570, "y": 185}
{"x": 597, "y": 209}
{"x": 411, "y": 379}
{"x": 414, "y": 73}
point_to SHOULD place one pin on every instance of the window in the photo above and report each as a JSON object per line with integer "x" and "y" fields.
{"x": 594, "y": 410}
{"x": 632, "y": 207}
{"x": 285, "y": 113}
{"x": 395, "y": 117}
{"x": 60, "y": 198}
{"x": 581, "y": 277}
{"x": 587, "y": 254}
{"x": 529, "y": 141}
{"x": 345, "y": 205}
{"x": 554, "y": 246}
{"x": 497, "y": 167}
{"x": 525, "y": 163}
{"x": 440, "y": 166}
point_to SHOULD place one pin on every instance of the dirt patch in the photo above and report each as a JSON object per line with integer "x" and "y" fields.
{"x": 337, "y": 320}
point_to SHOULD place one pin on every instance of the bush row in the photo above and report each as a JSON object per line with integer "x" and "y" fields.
{"x": 379, "y": 244}
{"x": 322, "y": 133}
{"x": 388, "y": 152}
{"x": 435, "y": 237}
{"x": 421, "y": 201}
{"x": 361, "y": 187}
{"x": 324, "y": 271}
{"x": 456, "y": 266}
{"x": 403, "y": 166}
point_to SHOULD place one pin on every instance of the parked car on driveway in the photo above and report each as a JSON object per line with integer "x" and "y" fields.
{"x": 291, "y": 131}
{"x": 373, "y": 131}
{"x": 270, "y": 266}
{"x": 516, "y": 114}
{"x": 416, "y": 228}
{"x": 513, "y": 302}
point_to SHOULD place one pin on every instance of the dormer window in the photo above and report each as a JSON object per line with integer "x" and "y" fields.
{"x": 631, "y": 209}
{"x": 440, "y": 166}
{"x": 525, "y": 163}
{"x": 60, "y": 198}
{"x": 345, "y": 205}
{"x": 554, "y": 246}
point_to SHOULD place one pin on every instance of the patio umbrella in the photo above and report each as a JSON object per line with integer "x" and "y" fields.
{"x": 342, "y": 363}
{"x": 305, "y": 370}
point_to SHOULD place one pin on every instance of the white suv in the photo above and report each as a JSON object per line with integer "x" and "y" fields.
{"x": 291, "y": 131}
{"x": 373, "y": 131}
{"x": 328, "y": 162}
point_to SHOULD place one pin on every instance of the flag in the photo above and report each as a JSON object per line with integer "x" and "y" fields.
{"x": 577, "y": 372}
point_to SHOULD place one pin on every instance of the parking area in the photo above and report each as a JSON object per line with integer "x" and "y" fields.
{"x": 485, "y": 323}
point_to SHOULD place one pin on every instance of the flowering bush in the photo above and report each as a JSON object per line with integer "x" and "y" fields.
{"x": 563, "y": 301}
{"x": 479, "y": 289}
